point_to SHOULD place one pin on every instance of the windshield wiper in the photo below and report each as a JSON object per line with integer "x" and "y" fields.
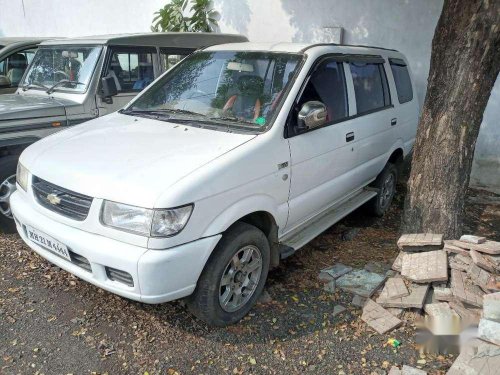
{"x": 33, "y": 84}
{"x": 54, "y": 86}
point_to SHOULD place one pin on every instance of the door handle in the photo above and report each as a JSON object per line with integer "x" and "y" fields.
{"x": 349, "y": 137}
{"x": 394, "y": 121}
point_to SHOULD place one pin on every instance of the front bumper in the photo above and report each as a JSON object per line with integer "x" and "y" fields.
{"x": 158, "y": 275}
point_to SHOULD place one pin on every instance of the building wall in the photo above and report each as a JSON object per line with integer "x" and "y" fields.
{"x": 405, "y": 25}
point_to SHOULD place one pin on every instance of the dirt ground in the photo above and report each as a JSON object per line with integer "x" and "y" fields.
{"x": 53, "y": 323}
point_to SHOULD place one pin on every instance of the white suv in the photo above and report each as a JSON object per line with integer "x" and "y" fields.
{"x": 230, "y": 161}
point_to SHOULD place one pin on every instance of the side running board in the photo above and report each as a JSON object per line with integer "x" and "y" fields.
{"x": 290, "y": 244}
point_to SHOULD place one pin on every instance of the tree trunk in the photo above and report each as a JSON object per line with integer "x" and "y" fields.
{"x": 465, "y": 62}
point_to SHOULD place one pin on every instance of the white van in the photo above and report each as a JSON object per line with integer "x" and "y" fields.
{"x": 232, "y": 160}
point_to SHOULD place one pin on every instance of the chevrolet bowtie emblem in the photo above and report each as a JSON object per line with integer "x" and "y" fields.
{"x": 53, "y": 199}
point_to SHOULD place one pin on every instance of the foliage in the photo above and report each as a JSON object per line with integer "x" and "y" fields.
{"x": 172, "y": 16}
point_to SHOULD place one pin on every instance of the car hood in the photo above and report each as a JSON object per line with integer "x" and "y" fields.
{"x": 16, "y": 106}
{"x": 126, "y": 159}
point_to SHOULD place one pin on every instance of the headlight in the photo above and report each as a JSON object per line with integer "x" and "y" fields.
{"x": 22, "y": 176}
{"x": 144, "y": 221}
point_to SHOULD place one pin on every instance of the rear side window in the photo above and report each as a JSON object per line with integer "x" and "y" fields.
{"x": 170, "y": 57}
{"x": 370, "y": 86}
{"x": 402, "y": 80}
{"x": 131, "y": 69}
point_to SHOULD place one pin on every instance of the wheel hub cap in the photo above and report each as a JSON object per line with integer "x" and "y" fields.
{"x": 7, "y": 187}
{"x": 240, "y": 278}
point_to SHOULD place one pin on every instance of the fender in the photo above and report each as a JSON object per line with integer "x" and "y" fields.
{"x": 244, "y": 207}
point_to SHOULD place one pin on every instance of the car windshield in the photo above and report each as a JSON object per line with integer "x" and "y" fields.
{"x": 225, "y": 86}
{"x": 70, "y": 67}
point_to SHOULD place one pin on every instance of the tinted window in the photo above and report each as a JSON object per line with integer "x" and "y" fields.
{"x": 131, "y": 70}
{"x": 168, "y": 58}
{"x": 327, "y": 84}
{"x": 402, "y": 81}
{"x": 370, "y": 86}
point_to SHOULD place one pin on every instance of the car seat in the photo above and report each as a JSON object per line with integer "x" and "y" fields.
{"x": 245, "y": 103}
{"x": 16, "y": 66}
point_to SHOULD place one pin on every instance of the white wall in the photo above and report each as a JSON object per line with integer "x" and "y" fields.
{"x": 405, "y": 25}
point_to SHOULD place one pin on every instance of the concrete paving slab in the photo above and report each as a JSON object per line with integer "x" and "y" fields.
{"x": 477, "y": 358}
{"x": 456, "y": 263}
{"x": 442, "y": 292}
{"x": 439, "y": 309}
{"x": 358, "y": 301}
{"x": 378, "y": 318}
{"x": 360, "y": 282}
{"x": 338, "y": 309}
{"x": 490, "y": 263}
{"x": 464, "y": 290}
{"x": 426, "y": 267}
{"x": 394, "y": 371}
{"x": 415, "y": 299}
{"x": 415, "y": 242}
{"x": 337, "y": 270}
{"x": 396, "y": 311}
{"x": 398, "y": 262}
{"x": 330, "y": 286}
{"x": 489, "y": 330}
{"x": 479, "y": 276}
{"x": 469, "y": 314}
{"x": 487, "y": 247}
{"x": 472, "y": 239}
{"x": 396, "y": 287}
{"x": 491, "y": 306}
{"x": 453, "y": 246}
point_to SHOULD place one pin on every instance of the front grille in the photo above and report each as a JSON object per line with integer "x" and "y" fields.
{"x": 80, "y": 261}
{"x": 73, "y": 205}
{"x": 118, "y": 275}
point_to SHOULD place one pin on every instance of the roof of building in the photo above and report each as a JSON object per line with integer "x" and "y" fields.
{"x": 180, "y": 40}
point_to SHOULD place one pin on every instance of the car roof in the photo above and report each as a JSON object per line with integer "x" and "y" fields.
{"x": 180, "y": 40}
{"x": 301, "y": 48}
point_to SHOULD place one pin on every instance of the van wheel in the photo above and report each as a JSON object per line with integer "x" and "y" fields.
{"x": 8, "y": 165}
{"x": 233, "y": 277}
{"x": 386, "y": 183}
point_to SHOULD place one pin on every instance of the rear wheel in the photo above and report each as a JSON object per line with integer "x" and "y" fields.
{"x": 233, "y": 277}
{"x": 386, "y": 184}
{"x": 8, "y": 165}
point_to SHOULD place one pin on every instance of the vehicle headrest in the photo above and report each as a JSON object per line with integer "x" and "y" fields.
{"x": 251, "y": 85}
{"x": 17, "y": 61}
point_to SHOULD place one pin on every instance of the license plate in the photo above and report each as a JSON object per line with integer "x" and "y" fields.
{"x": 48, "y": 242}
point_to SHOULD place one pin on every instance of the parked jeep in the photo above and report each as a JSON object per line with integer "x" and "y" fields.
{"x": 74, "y": 80}
{"x": 15, "y": 56}
{"x": 234, "y": 159}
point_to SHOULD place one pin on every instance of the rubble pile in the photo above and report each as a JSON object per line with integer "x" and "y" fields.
{"x": 454, "y": 284}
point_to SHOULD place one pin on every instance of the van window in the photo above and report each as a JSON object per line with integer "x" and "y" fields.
{"x": 170, "y": 57}
{"x": 402, "y": 80}
{"x": 370, "y": 86}
{"x": 327, "y": 84}
{"x": 131, "y": 70}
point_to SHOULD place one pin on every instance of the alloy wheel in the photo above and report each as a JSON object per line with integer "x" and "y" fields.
{"x": 240, "y": 278}
{"x": 7, "y": 187}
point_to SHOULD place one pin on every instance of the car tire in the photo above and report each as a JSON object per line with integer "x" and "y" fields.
{"x": 8, "y": 165}
{"x": 211, "y": 301}
{"x": 386, "y": 184}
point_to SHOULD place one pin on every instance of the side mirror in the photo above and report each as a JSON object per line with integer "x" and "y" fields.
{"x": 4, "y": 82}
{"x": 108, "y": 87}
{"x": 312, "y": 115}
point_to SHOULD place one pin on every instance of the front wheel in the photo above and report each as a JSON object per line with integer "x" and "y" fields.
{"x": 386, "y": 185}
{"x": 8, "y": 165}
{"x": 233, "y": 277}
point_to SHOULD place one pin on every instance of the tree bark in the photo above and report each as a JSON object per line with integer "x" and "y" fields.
{"x": 465, "y": 61}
